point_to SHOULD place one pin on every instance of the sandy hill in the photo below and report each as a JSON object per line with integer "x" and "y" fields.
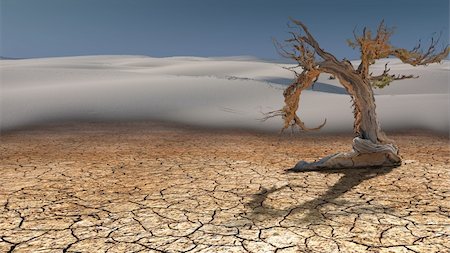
{"x": 211, "y": 92}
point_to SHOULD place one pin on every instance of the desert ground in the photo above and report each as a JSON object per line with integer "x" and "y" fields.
{"x": 87, "y": 164}
{"x": 154, "y": 187}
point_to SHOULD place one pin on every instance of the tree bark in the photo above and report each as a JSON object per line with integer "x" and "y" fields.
{"x": 370, "y": 146}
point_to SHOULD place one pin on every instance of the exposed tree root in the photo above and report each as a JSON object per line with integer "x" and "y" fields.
{"x": 364, "y": 154}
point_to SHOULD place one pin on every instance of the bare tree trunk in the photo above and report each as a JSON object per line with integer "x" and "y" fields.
{"x": 366, "y": 125}
{"x": 370, "y": 147}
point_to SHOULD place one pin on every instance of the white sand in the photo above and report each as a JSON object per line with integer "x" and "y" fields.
{"x": 212, "y": 92}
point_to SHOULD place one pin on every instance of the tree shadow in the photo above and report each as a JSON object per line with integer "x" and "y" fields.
{"x": 350, "y": 179}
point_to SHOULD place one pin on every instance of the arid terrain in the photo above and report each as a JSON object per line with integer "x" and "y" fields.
{"x": 149, "y": 187}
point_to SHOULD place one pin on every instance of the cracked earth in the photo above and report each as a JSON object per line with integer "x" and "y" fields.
{"x": 147, "y": 187}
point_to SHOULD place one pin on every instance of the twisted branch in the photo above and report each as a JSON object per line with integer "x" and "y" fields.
{"x": 380, "y": 81}
{"x": 378, "y": 47}
{"x": 292, "y": 99}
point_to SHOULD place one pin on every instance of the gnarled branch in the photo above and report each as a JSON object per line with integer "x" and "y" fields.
{"x": 372, "y": 48}
{"x": 417, "y": 56}
{"x": 292, "y": 99}
{"x": 377, "y": 47}
{"x": 309, "y": 39}
{"x": 380, "y": 81}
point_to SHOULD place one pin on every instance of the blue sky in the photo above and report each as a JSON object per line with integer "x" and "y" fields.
{"x": 43, "y": 28}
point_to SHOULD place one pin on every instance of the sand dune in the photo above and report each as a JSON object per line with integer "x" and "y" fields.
{"x": 211, "y": 92}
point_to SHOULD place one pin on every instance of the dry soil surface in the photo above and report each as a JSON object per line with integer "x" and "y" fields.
{"x": 147, "y": 187}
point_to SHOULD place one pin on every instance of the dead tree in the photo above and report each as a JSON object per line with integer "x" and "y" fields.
{"x": 371, "y": 147}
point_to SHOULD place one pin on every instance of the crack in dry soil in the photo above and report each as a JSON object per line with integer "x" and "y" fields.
{"x": 145, "y": 187}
